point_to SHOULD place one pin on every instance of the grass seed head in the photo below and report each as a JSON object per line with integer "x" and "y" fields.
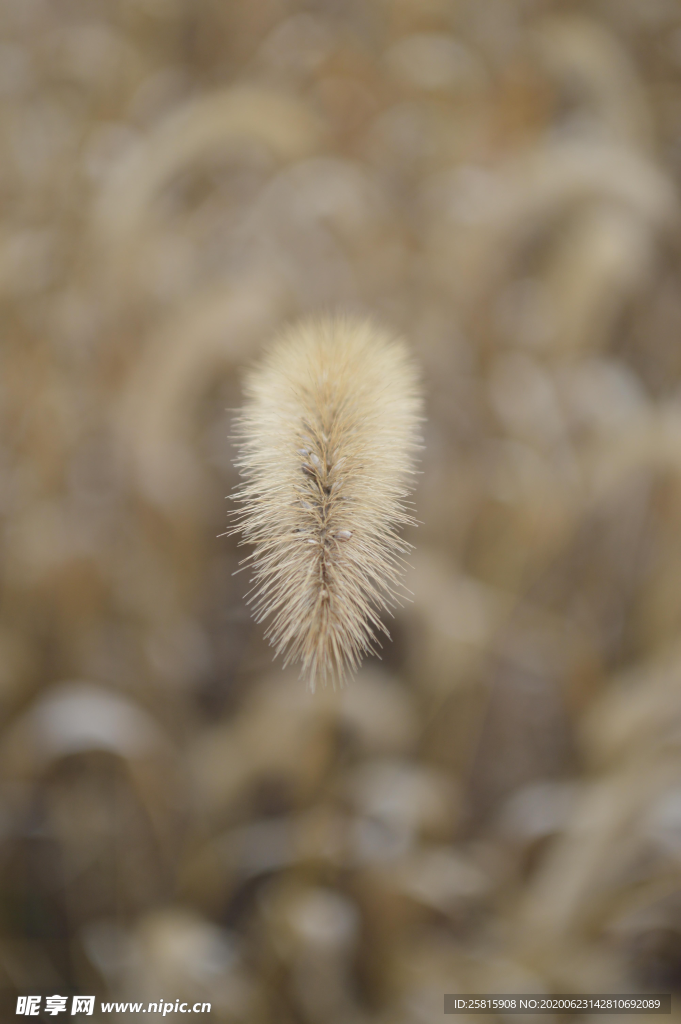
{"x": 327, "y": 439}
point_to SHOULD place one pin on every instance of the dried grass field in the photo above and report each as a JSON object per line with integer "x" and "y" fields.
{"x": 495, "y": 806}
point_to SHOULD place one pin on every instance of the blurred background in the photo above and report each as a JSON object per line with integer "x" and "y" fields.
{"x": 494, "y": 807}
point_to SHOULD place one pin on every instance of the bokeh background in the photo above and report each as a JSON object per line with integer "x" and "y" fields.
{"x": 494, "y": 807}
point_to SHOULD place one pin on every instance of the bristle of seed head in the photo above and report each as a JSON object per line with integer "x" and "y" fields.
{"x": 330, "y": 394}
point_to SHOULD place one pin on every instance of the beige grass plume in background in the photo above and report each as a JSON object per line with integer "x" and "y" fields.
{"x": 327, "y": 441}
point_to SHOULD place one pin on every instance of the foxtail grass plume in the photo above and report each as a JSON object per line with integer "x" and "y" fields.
{"x": 327, "y": 440}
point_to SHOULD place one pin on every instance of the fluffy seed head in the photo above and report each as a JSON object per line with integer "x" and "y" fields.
{"x": 327, "y": 440}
